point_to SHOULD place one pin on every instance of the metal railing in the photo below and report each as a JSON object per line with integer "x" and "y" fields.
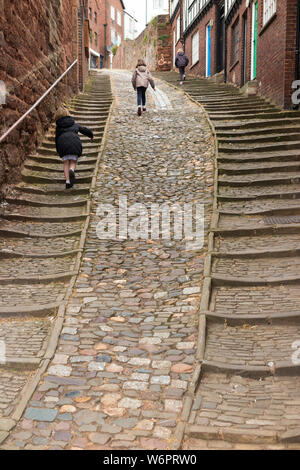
{"x": 37, "y": 102}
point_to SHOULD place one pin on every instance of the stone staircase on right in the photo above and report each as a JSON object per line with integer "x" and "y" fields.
{"x": 249, "y": 390}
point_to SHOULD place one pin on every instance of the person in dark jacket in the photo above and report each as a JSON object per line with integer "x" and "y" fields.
{"x": 68, "y": 143}
{"x": 181, "y": 62}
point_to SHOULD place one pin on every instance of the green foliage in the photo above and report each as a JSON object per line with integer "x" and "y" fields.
{"x": 164, "y": 38}
{"x": 145, "y": 38}
{"x": 114, "y": 50}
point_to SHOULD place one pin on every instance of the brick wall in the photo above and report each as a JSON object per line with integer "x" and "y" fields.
{"x": 200, "y": 67}
{"x": 276, "y": 48}
{"x": 174, "y": 34}
{"x": 37, "y": 46}
{"x": 153, "y": 45}
{"x": 104, "y": 25}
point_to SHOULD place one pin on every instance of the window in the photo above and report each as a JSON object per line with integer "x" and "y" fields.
{"x": 113, "y": 13}
{"x": 173, "y": 5}
{"x": 119, "y": 40}
{"x": 178, "y": 28}
{"x": 235, "y": 42}
{"x": 90, "y": 13}
{"x": 113, "y": 36}
{"x": 195, "y": 48}
{"x": 119, "y": 18}
{"x": 95, "y": 17}
{"x": 269, "y": 10}
{"x": 96, "y": 39}
{"x": 191, "y": 9}
{"x": 228, "y": 5}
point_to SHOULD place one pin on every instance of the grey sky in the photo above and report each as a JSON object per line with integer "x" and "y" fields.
{"x": 138, "y": 9}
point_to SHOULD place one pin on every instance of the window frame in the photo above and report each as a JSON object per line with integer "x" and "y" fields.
{"x": 197, "y": 55}
{"x": 269, "y": 10}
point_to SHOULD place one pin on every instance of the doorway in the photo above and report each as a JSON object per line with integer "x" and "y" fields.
{"x": 254, "y": 41}
{"x": 208, "y": 50}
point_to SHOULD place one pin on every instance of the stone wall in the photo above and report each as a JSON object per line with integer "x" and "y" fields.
{"x": 38, "y": 41}
{"x": 153, "y": 45}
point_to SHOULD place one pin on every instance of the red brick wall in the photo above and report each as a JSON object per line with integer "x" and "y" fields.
{"x": 153, "y": 45}
{"x": 289, "y": 64}
{"x": 37, "y": 45}
{"x": 103, "y": 9}
{"x": 276, "y": 45}
{"x": 271, "y": 46}
{"x": 200, "y": 67}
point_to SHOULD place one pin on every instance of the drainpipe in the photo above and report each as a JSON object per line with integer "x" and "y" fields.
{"x": 105, "y": 32}
{"x": 181, "y": 28}
{"x": 225, "y": 51}
{"x": 297, "y": 58}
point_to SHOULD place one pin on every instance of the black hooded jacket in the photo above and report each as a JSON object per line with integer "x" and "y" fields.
{"x": 181, "y": 60}
{"x": 67, "y": 140}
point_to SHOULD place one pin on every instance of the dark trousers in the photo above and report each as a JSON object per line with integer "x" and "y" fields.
{"x": 182, "y": 73}
{"x": 141, "y": 95}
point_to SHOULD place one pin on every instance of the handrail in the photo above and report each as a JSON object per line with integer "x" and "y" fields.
{"x": 36, "y": 103}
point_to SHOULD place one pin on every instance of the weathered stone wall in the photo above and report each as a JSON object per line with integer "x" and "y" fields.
{"x": 153, "y": 45}
{"x": 38, "y": 41}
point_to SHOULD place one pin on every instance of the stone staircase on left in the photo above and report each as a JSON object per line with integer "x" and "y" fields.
{"x": 42, "y": 230}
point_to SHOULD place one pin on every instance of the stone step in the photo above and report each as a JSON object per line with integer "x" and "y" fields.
{"x": 255, "y": 271}
{"x": 286, "y": 155}
{"x": 249, "y": 301}
{"x": 275, "y": 137}
{"x": 46, "y": 214}
{"x": 283, "y": 191}
{"x": 257, "y": 115}
{"x": 259, "y": 179}
{"x": 251, "y": 345}
{"x": 245, "y": 108}
{"x": 263, "y": 206}
{"x": 34, "y": 229}
{"x": 259, "y": 245}
{"x": 39, "y": 247}
{"x": 36, "y": 270}
{"x": 264, "y": 167}
{"x": 250, "y": 133}
{"x": 53, "y": 189}
{"x": 91, "y": 151}
{"x": 264, "y": 147}
{"x": 26, "y": 341}
{"x": 55, "y": 167}
{"x": 57, "y": 160}
{"x": 245, "y": 410}
{"x": 52, "y": 177}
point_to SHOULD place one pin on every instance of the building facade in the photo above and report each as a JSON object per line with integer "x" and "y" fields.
{"x": 255, "y": 42}
{"x": 130, "y": 26}
{"x": 262, "y": 38}
{"x": 106, "y": 30}
{"x": 200, "y": 25}
{"x": 155, "y": 8}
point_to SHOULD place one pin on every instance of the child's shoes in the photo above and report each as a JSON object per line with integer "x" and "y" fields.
{"x": 68, "y": 186}
{"x": 72, "y": 177}
{"x": 139, "y": 111}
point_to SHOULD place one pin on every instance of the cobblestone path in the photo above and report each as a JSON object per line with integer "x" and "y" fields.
{"x": 248, "y": 395}
{"x": 42, "y": 232}
{"x": 126, "y": 356}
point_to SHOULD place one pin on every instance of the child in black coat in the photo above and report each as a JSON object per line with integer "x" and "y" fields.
{"x": 68, "y": 143}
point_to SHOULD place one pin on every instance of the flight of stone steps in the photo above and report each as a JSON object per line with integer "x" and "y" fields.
{"x": 41, "y": 227}
{"x": 249, "y": 388}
